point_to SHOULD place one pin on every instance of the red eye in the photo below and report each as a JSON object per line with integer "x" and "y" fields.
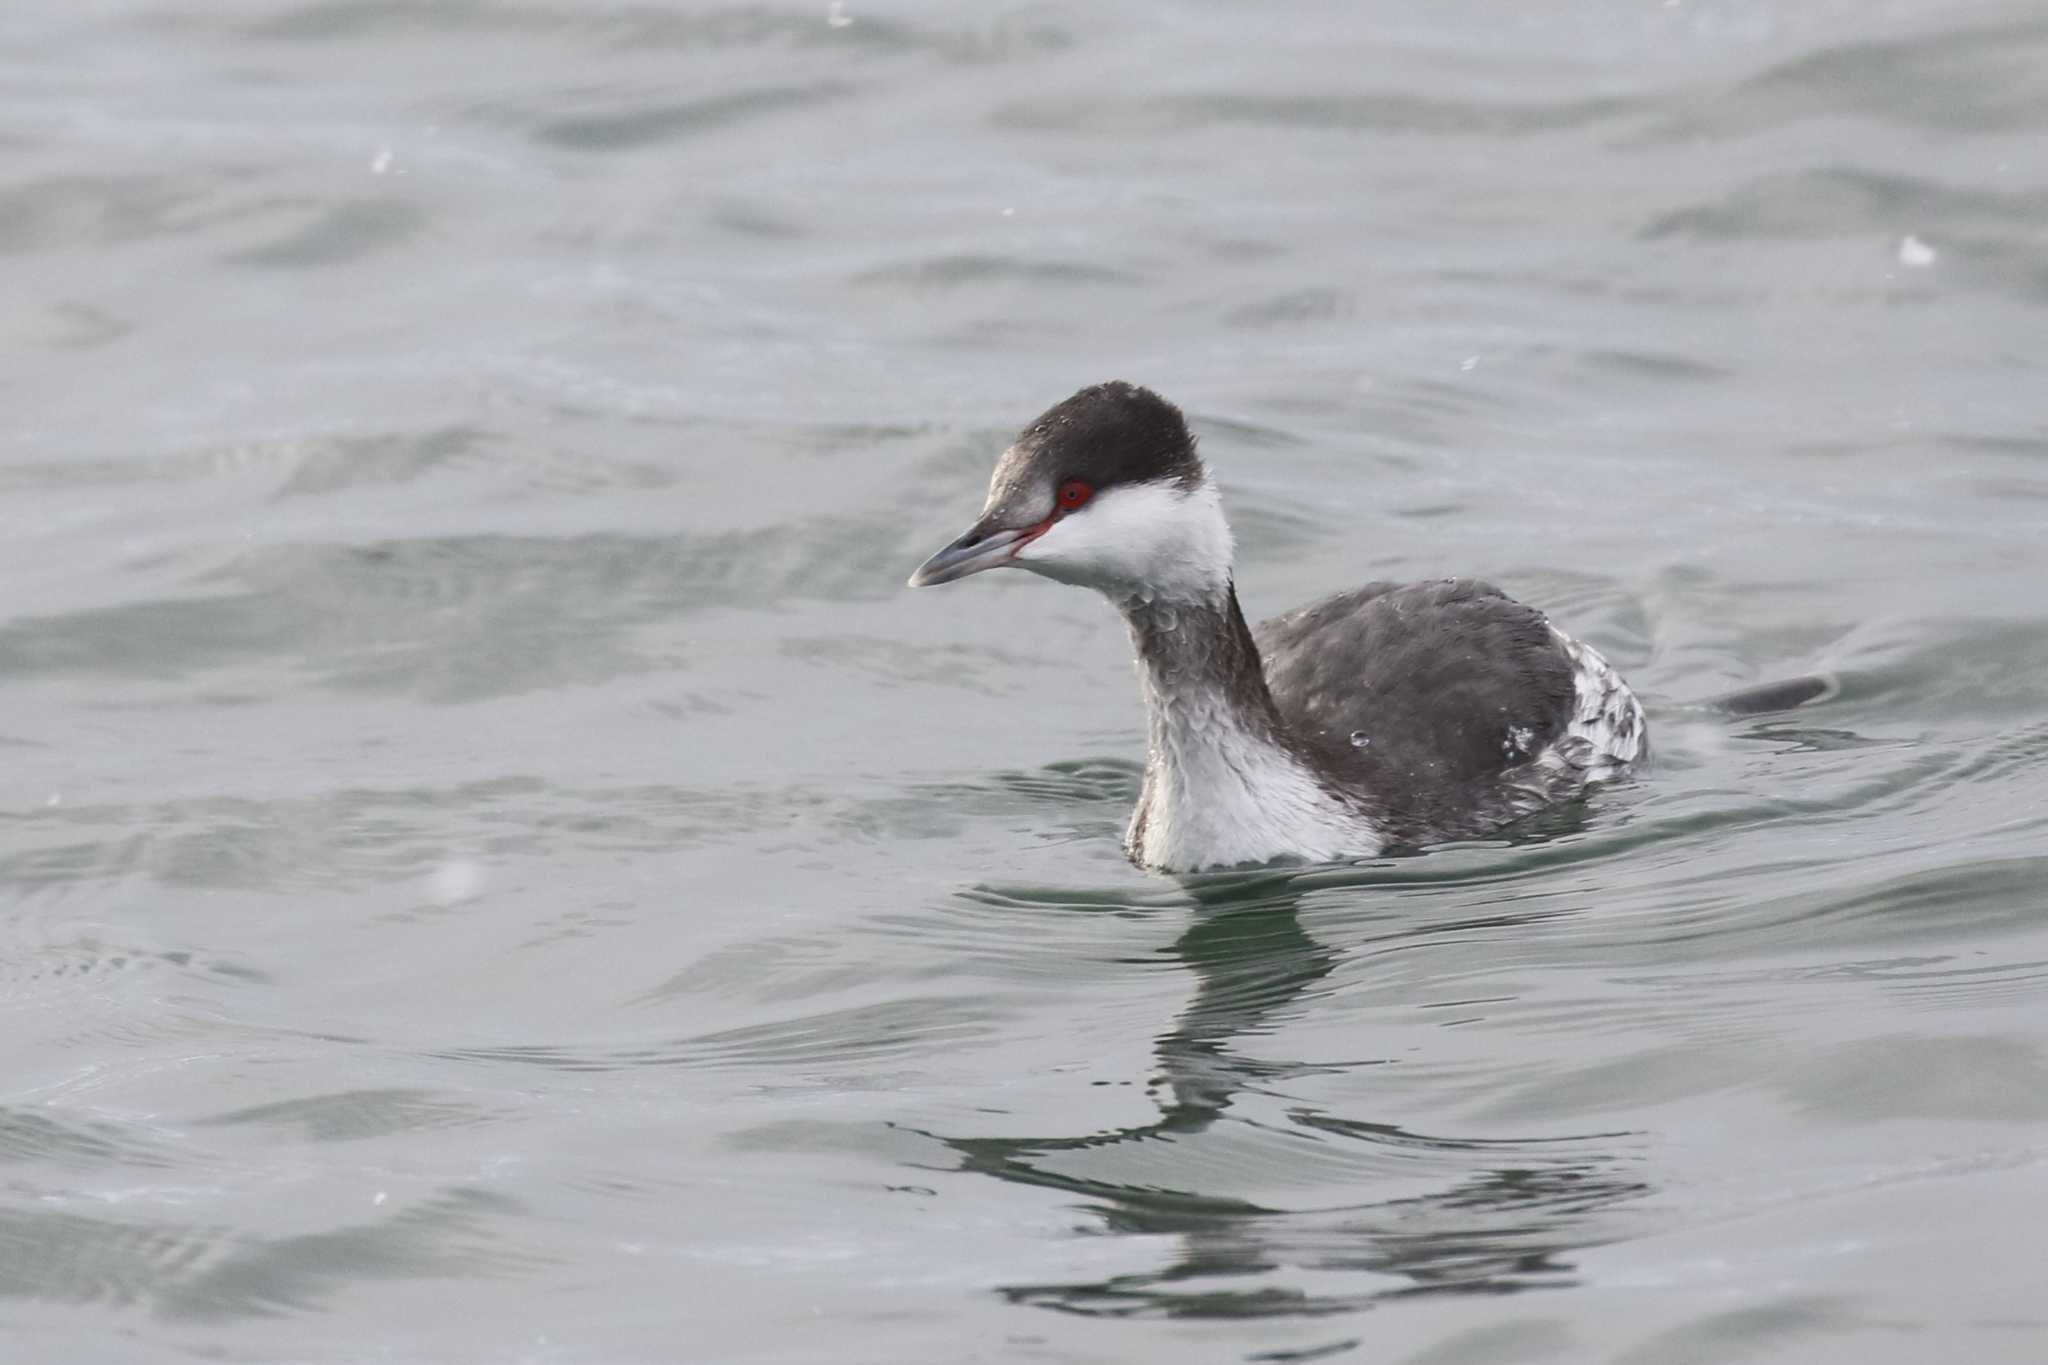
{"x": 1073, "y": 493}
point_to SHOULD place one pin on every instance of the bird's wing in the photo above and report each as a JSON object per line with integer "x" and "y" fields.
{"x": 1419, "y": 689}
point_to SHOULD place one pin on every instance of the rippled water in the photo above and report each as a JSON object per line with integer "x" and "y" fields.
{"x": 494, "y": 867}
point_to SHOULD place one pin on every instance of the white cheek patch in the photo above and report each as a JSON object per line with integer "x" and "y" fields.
{"x": 1152, "y": 540}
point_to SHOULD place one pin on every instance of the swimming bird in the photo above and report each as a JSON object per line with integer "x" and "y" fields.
{"x": 1388, "y": 715}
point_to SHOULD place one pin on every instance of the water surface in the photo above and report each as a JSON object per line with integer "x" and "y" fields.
{"x": 493, "y": 866}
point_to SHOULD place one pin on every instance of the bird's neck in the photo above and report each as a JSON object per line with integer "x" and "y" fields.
{"x": 1223, "y": 785}
{"x": 1201, "y": 672}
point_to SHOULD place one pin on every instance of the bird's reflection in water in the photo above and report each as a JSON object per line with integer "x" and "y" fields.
{"x": 1505, "y": 1214}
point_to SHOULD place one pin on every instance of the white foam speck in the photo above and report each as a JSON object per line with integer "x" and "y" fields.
{"x": 380, "y": 164}
{"x": 836, "y": 15}
{"x": 455, "y": 881}
{"x": 1916, "y": 253}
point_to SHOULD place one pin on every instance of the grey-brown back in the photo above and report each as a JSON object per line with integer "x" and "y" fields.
{"x": 1424, "y": 697}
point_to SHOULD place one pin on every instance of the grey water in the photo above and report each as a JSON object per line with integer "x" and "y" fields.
{"x": 495, "y": 867}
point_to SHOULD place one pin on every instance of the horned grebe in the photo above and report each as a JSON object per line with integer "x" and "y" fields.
{"x": 1386, "y": 715}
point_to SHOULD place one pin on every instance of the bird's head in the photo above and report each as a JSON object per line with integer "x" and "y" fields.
{"x": 1104, "y": 490}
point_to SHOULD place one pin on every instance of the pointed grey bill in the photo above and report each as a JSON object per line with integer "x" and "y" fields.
{"x": 982, "y": 547}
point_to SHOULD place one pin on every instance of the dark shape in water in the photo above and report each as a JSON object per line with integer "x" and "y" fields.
{"x": 1510, "y": 1211}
